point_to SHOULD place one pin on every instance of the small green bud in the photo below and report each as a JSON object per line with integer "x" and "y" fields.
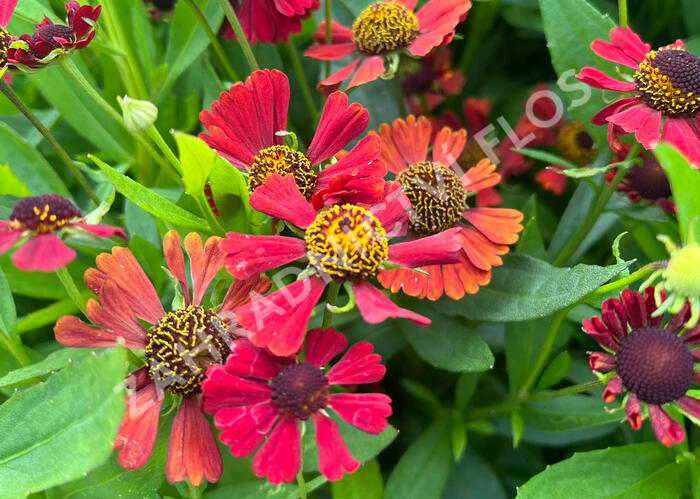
{"x": 138, "y": 114}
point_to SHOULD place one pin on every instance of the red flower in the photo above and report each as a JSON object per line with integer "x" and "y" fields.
{"x": 650, "y": 361}
{"x": 345, "y": 244}
{"x": 550, "y": 180}
{"x": 50, "y": 40}
{"x": 435, "y": 78}
{"x": 665, "y": 85}
{"x": 242, "y": 128}
{"x": 269, "y": 20}
{"x": 34, "y": 222}
{"x": 646, "y": 182}
{"x": 258, "y": 397}
{"x": 179, "y": 347}
{"x": 438, "y": 196}
{"x": 382, "y": 29}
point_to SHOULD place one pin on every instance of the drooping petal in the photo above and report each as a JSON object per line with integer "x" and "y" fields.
{"x": 666, "y": 430}
{"x": 360, "y": 365}
{"x": 366, "y": 411}
{"x": 375, "y": 307}
{"x": 630, "y": 42}
{"x": 222, "y": 390}
{"x": 334, "y": 458}
{"x": 101, "y": 230}
{"x": 192, "y": 451}
{"x": 500, "y": 225}
{"x": 322, "y": 345}
{"x": 137, "y": 431}
{"x": 412, "y": 283}
{"x": 279, "y": 197}
{"x": 641, "y": 120}
{"x": 597, "y": 330}
{"x": 690, "y": 405}
{"x": 247, "y": 256}
{"x": 392, "y": 210}
{"x": 480, "y": 176}
{"x": 437, "y": 20}
{"x": 175, "y": 260}
{"x": 370, "y": 69}
{"x": 360, "y": 161}
{"x": 43, "y": 253}
{"x": 637, "y": 314}
{"x": 596, "y": 78}
{"x": 279, "y": 459}
{"x": 601, "y": 118}
{"x": 332, "y": 83}
{"x": 243, "y": 428}
{"x": 615, "y": 318}
{"x": 8, "y": 236}
{"x": 72, "y": 332}
{"x": 330, "y": 52}
{"x": 680, "y": 133}
{"x": 444, "y": 247}
{"x": 633, "y": 412}
{"x": 242, "y": 291}
{"x": 205, "y": 263}
{"x": 248, "y": 361}
{"x": 480, "y": 251}
{"x": 612, "y": 389}
{"x": 613, "y": 53}
{"x": 601, "y": 362}
{"x": 463, "y": 275}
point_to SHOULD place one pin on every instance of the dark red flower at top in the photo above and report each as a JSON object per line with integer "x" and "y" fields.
{"x": 50, "y": 40}
{"x": 179, "y": 346}
{"x": 269, "y": 21}
{"x": 257, "y": 397}
{"x": 646, "y": 182}
{"x": 34, "y": 222}
{"x": 648, "y": 360}
{"x": 434, "y": 79}
{"x": 663, "y": 97}
{"x": 243, "y": 124}
{"x": 383, "y": 29}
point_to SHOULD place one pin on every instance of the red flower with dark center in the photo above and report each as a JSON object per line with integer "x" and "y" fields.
{"x": 438, "y": 202}
{"x": 257, "y": 398}
{"x": 34, "y": 222}
{"x": 269, "y": 21}
{"x": 243, "y": 126}
{"x": 179, "y": 346}
{"x": 650, "y": 361}
{"x": 383, "y": 29}
{"x": 435, "y": 79}
{"x": 646, "y": 182}
{"x": 342, "y": 243}
{"x": 53, "y": 40}
{"x": 666, "y": 84}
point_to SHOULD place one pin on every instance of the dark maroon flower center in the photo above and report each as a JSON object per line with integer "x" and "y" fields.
{"x": 655, "y": 365}
{"x": 300, "y": 390}
{"x": 584, "y": 140}
{"x": 649, "y": 180}
{"x": 668, "y": 80}
{"x": 163, "y": 4}
{"x": 47, "y": 34}
{"x": 182, "y": 345}
{"x": 43, "y": 213}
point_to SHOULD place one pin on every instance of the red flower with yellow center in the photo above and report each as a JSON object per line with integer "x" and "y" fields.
{"x": 33, "y": 225}
{"x": 666, "y": 84}
{"x": 383, "y": 29}
{"x": 269, "y": 21}
{"x": 179, "y": 346}
{"x": 343, "y": 244}
{"x": 257, "y": 398}
{"x": 649, "y": 360}
{"x": 243, "y": 124}
{"x": 438, "y": 202}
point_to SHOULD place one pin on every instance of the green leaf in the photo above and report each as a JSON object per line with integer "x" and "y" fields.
{"x": 8, "y": 312}
{"x": 526, "y": 288}
{"x": 197, "y": 160}
{"x": 448, "y": 343}
{"x": 517, "y": 425}
{"x": 546, "y": 157}
{"x": 259, "y": 489}
{"x": 365, "y": 483}
{"x": 68, "y": 425}
{"x": 530, "y": 241}
{"x": 49, "y": 314}
{"x": 685, "y": 185}
{"x": 53, "y": 362}
{"x": 555, "y": 372}
{"x": 473, "y": 478}
{"x": 230, "y": 192}
{"x": 423, "y": 469}
{"x": 149, "y": 201}
{"x": 33, "y": 284}
{"x": 10, "y": 184}
{"x": 586, "y": 172}
{"x": 632, "y": 471}
{"x": 570, "y": 27}
{"x": 28, "y": 165}
{"x": 458, "y": 436}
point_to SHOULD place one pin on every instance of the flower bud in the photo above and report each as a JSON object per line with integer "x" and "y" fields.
{"x": 138, "y": 114}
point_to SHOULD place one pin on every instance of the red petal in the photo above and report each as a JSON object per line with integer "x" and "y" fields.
{"x": 43, "y": 253}
{"x": 615, "y": 318}
{"x": 448, "y": 145}
{"x": 279, "y": 459}
{"x": 630, "y": 42}
{"x": 392, "y": 210}
{"x": 331, "y": 52}
{"x": 242, "y": 291}
{"x": 222, "y": 390}
{"x": 72, "y": 332}
{"x": 601, "y": 118}
{"x": 612, "y": 389}
{"x": 480, "y": 176}
{"x": 633, "y": 412}
{"x": 596, "y": 330}
{"x": 247, "y": 256}
{"x": 637, "y": 314}
{"x": 596, "y": 78}
{"x": 6, "y": 9}
{"x": 500, "y": 225}
{"x": 7, "y": 237}
{"x": 370, "y": 69}
{"x": 279, "y": 197}
{"x": 102, "y": 230}
{"x": 601, "y": 362}
{"x": 175, "y": 260}
{"x": 644, "y": 121}
{"x": 137, "y": 432}
{"x": 613, "y": 53}
{"x": 360, "y": 161}
{"x": 667, "y": 431}
{"x": 680, "y": 133}
{"x": 334, "y": 458}
{"x": 192, "y": 452}
{"x": 375, "y": 307}
{"x": 359, "y": 366}
{"x": 444, "y": 247}
{"x": 690, "y": 406}
{"x": 366, "y": 411}
{"x": 205, "y": 263}
{"x": 247, "y": 361}
{"x": 322, "y": 345}
{"x": 243, "y": 428}
{"x": 332, "y": 83}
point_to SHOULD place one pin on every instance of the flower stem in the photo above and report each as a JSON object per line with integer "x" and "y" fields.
{"x": 605, "y": 192}
{"x": 302, "y": 484}
{"x": 240, "y": 36}
{"x": 329, "y": 32}
{"x": 16, "y": 348}
{"x": 400, "y": 101}
{"x": 331, "y": 297}
{"x": 72, "y": 290}
{"x": 303, "y": 82}
{"x": 193, "y": 491}
{"x": 622, "y": 283}
{"x": 622, "y": 9}
{"x": 60, "y": 152}
{"x": 156, "y": 137}
{"x": 214, "y": 40}
{"x": 213, "y": 222}
{"x": 73, "y": 71}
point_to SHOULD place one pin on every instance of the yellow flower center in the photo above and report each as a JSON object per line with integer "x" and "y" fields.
{"x": 346, "y": 242}
{"x": 668, "y": 80}
{"x": 575, "y": 145}
{"x": 282, "y": 160}
{"x": 683, "y": 273}
{"x": 4, "y": 45}
{"x": 383, "y": 27}
{"x": 436, "y": 195}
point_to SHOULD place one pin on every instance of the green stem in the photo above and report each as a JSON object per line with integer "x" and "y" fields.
{"x": 16, "y": 348}
{"x": 302, "y": 484}
{"x": 60, "y": 152}
{"x": 605, "y": 192}
{"x": 331, "y": 297}
{"x": 240, "y": 36}
{"x": 622, "y": 283}
{"x": 72, "y": 290}
{"x": 73, "y": 71}
{"x": 193, "y": 491}
{"x": 546, "y": 348}
{"x": 400, "y": 101}
{"x": 303, "y": 82}
{"x": 329, "y": 32}
{"x": 622, "y": 9}
{"x": 156, "y": 137}
{"x": 214, "y": 40}
{"x": 512, "y": 405}
{"x": 209, "y": 215}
